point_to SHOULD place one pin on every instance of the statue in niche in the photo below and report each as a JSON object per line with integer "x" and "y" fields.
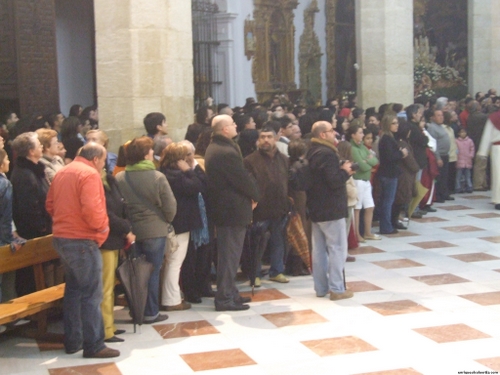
{"x": 276, "y": 37}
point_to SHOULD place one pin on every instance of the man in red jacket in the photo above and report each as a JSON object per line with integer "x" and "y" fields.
{"x": 77, "y": 205}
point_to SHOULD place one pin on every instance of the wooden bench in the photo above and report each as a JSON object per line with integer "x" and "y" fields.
{"x": 33, "y": 253}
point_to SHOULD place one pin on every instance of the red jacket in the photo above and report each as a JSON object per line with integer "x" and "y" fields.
{"x": 77, "y": 203}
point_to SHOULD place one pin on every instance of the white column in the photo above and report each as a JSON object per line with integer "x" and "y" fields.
{"x": 384, "y": 46}
{"x": 144, "y": 64}
{"x": 225, "y": 58}
{"x": 484, "y": 45}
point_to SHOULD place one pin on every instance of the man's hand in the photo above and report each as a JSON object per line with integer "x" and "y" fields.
{"x": 130, "y": 237}
{"x": 440, "y": 163}
{"x": 404, "y": 151}
{"x": 347, "y": 167}
{"x": 254, "y": 204}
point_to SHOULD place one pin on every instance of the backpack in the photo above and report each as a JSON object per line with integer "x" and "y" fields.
{"x": 299, "y": 175}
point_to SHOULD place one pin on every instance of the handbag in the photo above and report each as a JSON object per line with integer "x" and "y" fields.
{"x": 172, "y": 242}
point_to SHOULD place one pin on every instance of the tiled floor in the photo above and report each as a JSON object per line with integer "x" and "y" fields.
{"x": 426, "y": 301}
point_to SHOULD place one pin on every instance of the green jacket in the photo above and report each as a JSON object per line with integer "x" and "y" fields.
{"x": 360, "y": 155}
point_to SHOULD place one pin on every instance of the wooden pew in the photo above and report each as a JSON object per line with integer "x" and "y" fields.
{"x": 33, "y": 253}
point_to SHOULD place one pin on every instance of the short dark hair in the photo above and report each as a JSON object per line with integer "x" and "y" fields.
{"x": 221, "y": 106}
{"x": 275, "y": 125}
{"x": 74, "y": 110}
{"x": 241, "y": 121}
{"x": 92, "y": 150}
{"x": 352, "y": 129}
{"x": 267, "y": 128}
{"x": 411, "y": 110}
{"x": 69, "y": 127}
{"x": 285, "y": 121}
{"x": 201, "y": 115}
{"x": 152, "y": 120}
{"x": 138, "y": 149}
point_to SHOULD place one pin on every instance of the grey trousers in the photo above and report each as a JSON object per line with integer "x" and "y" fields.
{"x": 229, "y": 248}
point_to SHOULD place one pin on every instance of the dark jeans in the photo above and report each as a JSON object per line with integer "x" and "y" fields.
{"x": 442, "y": 180}
{"x": 276, "y": 245}
{"x": 83, "y": 324}
{"x": 154, "y": 250}
{"x": 388, "y": 188}
{"x": 195, "y": 271}
{"x": 229, "y": 247}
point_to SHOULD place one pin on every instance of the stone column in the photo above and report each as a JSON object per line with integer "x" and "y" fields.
{"x": 484, "y": 45}
{"x": 384, "y": 45}
{"x": 144, "y": 64}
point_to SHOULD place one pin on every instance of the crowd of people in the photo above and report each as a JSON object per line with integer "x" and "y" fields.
{"x": 272, "y": 182}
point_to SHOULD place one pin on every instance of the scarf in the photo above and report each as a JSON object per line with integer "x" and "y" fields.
{"x": 143, "y": 165}
{"x": 201, "y": 236}
{"x": 325, "y": 143}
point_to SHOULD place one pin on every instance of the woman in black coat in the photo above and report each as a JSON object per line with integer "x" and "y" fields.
{"x": 186, "y": 186}
{"x": 30, "y": 187}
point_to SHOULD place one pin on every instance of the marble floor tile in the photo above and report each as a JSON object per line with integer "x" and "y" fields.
{"x": 432, "y": 244}
{"x": 396, "y": 307}
{"x": 294, "y": 318}
{"x": 185, "y": 329}
{"x": 217, "y": 359}
{"x": 474, "y": 197}
{"x": 99, "y": 369}
{"x": 361, "y": 286}
{"x": 400, "y": 371}
{"x": 445, "y": 278}
{"x": 462, "y": 228}
{"x": 474, "y": 257}
{"x": 484, "y": 299}
{"x": 397, "y": 263}
{"x": 494, "y": 239}
{"x": 338, "y": 345}
{"x": 50, "y": 341}
{"x": 365, "y": 250}
{"x": 486, "y": 215}
{"x": 457, "y": 207}
{"x": 401, "y": 234}
{"x": 451, "y": 333}
{"x": 261, "y": 295}
{"x": 492, "y": 363}
{"x": 430, "y": 219}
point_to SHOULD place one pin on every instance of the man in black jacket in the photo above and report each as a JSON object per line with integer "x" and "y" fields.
{"x": 327, "y": 205}
{"x": 270, "y": 168}
{"x": 232, "y": 194}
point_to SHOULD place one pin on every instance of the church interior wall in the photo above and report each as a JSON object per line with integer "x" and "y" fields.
{"x": 319, "y": 28}
{"x": 74, "y": 30}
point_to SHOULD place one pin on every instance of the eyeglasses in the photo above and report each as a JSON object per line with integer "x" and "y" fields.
{"x": 329, "y": 131}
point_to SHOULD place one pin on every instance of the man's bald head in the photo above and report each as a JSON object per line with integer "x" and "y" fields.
{"x": 92, "y": 150}
{"x": 319, "y": 127}
{"x": 219, "y": 122}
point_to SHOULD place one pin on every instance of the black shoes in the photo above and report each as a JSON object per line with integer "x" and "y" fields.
{"x": 193, "y": 299}
{"x": 159, "y": 318}
{"x": 119, "y": 332}
{"x": 429, "y": 209}
{"x": 449, "y": 198}
{"x": 104, "y": 353}
{"x": 114, "y": 339}
{"x": 497, "y": 206}
{"x": 394, "y": 231}
{"x": 231, "y": 307}
{"x": 400, "y": 226}
{"x": 242, "y": 300}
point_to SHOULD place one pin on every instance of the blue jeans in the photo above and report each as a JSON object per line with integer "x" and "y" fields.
{"x": 154, "y": 250}
{"x": 466, "y": 175}
{"x": 276, "y": 245}
{"x": 83, "y": 324}
{"x": 388, "y": 188}
{"x": 329, "y": 252}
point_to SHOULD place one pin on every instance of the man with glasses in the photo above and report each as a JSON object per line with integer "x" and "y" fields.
{"x": 327, "y": 205}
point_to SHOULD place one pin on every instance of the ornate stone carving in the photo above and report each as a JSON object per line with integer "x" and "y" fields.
{"x": 273, "y": 69}
{"x": 310, "y": 57}
{"x": 331, "y": 66}
{"x": 36, "y": 56}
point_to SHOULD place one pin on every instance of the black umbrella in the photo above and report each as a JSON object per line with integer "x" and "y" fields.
{"x": 134, "y": 274}
{"x": 255, "y": 246}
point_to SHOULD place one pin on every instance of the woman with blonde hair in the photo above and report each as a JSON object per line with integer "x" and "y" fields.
{"x": 98, "y": 136}
{"x": 186, "y": 186}
{"x": 50, "y": 154}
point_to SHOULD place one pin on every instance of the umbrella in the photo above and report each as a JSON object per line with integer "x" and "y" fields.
{"x": 297, "y": 239}
{"x": 255, "y": 246}
{"x": 134, "y": 274}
